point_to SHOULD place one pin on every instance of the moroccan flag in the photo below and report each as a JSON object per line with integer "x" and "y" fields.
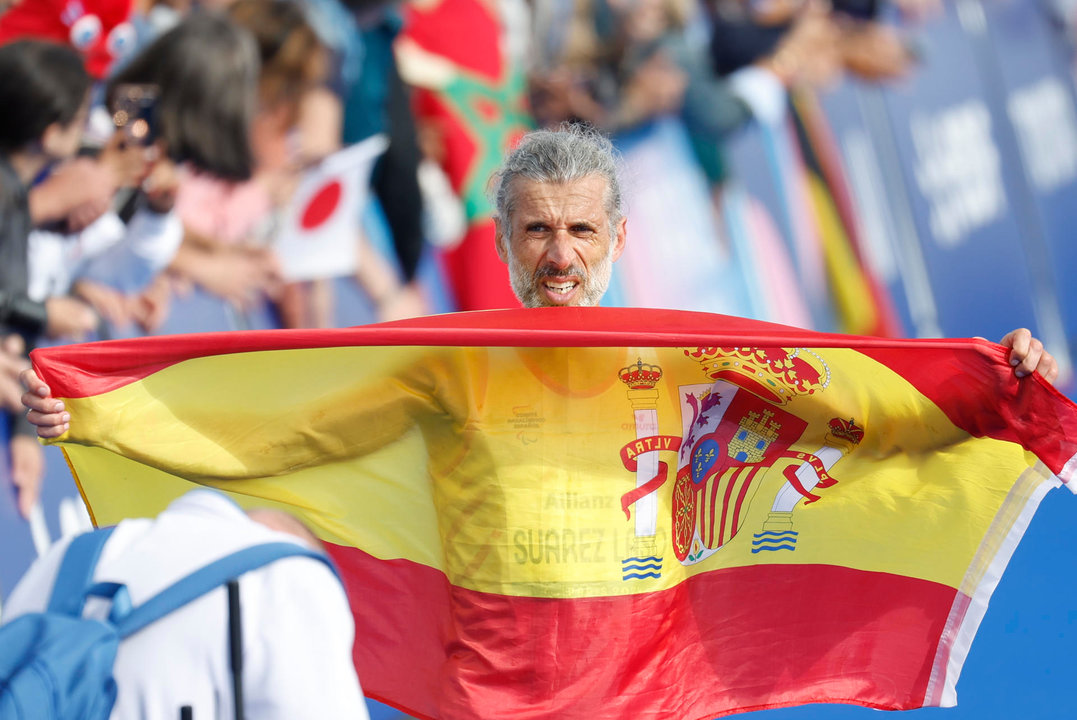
{"x": 603, "y": 513}
{"x": 470, "y": 102}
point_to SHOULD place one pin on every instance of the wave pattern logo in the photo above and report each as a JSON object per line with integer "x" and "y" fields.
{"x": 774, "y": 541}
{"x": 640, "y": 568}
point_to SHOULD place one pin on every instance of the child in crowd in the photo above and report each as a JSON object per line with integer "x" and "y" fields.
{"x": 229, "y": 220}
{"x": 230, "y": 225}
{"x": 198, "y": 75}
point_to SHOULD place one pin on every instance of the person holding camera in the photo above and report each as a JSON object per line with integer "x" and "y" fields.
{"x": 45, "y": 92}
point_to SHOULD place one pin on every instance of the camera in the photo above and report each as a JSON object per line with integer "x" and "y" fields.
{"x": 134, "y": 110}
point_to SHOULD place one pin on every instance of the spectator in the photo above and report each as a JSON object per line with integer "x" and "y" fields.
{"x": 297, "y": 625}
{"x": 117, "y": 256}
{"x": 44, "y": 93}
{"x": 639, "y": 64}
{"x": 229, "y": 223}
{"x": 376, "y": 101}
{"x": 206, "y": 68}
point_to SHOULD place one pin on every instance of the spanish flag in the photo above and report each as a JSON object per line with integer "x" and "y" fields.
{"x": 603, "y": 513}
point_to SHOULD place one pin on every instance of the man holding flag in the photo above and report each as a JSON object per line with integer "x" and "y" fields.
{"x": 475, "y": 478}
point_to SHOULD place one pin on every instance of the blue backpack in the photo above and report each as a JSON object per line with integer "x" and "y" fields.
{"x": 56, "y": 665}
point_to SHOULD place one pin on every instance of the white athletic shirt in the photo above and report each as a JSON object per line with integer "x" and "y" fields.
{"x": 297, "y": 626}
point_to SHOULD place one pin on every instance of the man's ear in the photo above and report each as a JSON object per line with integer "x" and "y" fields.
{"x": 500, "y": 240}
{"x": 619, "y": 240}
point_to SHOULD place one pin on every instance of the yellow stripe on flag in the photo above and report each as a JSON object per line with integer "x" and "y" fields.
{"x": 502, "y": 467}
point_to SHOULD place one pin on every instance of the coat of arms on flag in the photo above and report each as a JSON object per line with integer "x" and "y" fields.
{"x": 736, "y": 434}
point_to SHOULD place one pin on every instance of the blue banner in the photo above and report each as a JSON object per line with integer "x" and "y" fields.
{"x": 1033, "y": 88}
{"x": 888, "y": 244}
{"x": 959, "y": 178}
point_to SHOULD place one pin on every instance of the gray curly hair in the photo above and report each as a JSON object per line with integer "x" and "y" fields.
{"x": 569, "y": 153}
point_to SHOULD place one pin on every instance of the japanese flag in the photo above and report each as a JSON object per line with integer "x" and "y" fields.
{"x": 321, "y": 226}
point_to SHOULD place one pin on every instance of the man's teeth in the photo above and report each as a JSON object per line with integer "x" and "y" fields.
{"x": 561, "y": 287}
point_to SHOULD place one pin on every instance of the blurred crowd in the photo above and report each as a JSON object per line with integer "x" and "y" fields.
{"x": 149, "y": 147}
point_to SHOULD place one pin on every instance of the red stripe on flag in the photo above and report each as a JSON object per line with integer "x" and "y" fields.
{"x": 402, "y": 627}
{"x": 737, "y": 639}
{"x": 730, "y": 478}
{"x": 746, "y": 483}
{"x": 86, "y": 369}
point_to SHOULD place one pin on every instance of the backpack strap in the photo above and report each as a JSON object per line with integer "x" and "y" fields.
{"x": 76, "y": 572}
{"x": 210, "y": 576}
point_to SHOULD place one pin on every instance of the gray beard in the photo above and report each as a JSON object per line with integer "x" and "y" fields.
{"x": 526, "y": 285}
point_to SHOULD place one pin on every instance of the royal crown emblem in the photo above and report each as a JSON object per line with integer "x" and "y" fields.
{"x": 844, "y": 434}
{"x": 775, "y": 374}
{"x": 641, "y": 376}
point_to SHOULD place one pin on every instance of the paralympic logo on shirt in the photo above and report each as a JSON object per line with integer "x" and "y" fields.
{"x": 738, "y": 430}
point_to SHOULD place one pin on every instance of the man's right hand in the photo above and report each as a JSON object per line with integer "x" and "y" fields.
{"x": 45, "y": 411}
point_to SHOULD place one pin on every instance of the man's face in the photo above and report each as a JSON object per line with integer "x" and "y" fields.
{"x": 557, "y": 242}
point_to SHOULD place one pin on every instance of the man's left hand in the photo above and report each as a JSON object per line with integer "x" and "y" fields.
{"x": 1027, "y": 355}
